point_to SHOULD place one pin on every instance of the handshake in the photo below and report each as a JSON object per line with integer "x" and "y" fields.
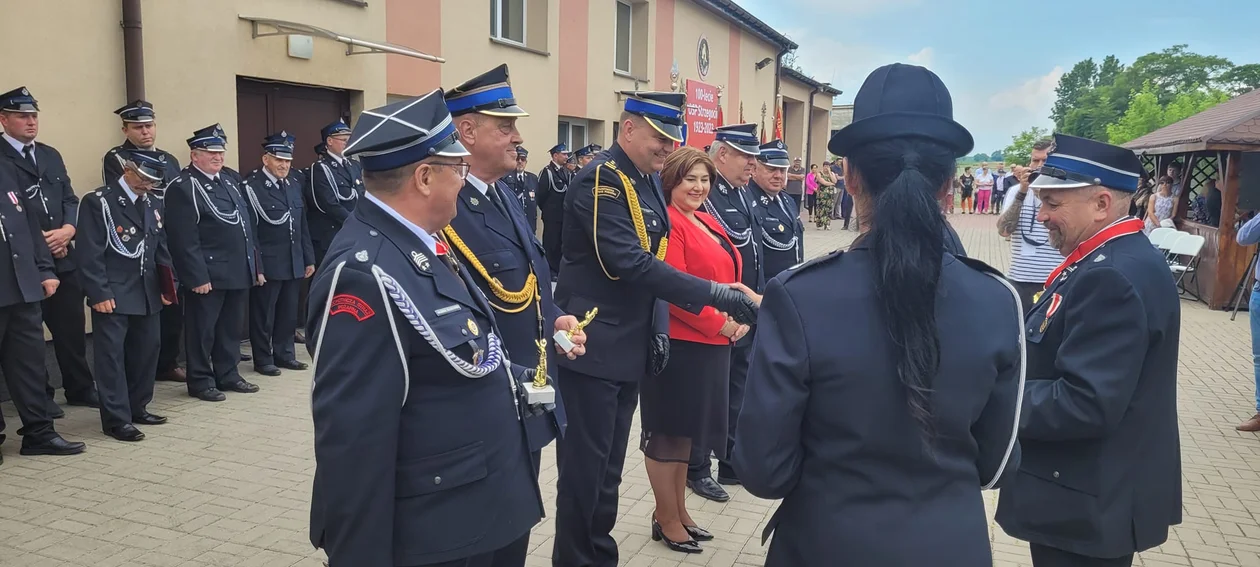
{"x": 736, "y": 300}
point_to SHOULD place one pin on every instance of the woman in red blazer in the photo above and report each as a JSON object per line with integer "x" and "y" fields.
{"x": 687, "y": 403}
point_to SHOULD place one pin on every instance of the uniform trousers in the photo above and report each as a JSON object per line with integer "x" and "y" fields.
{"x": 1045, "y": 556}
{"x": 701, "y": 467}
{"x": 64, "y": 316}
{"x": 22, "y": 360}
{"x": 124, "y": 357}
{"x": 273, "y": 315}
{"x": 172, "y": 328}
{"x": 513, "y": 555}
{"x": 590, "y": 460}
{"x": 212, "y": 339}
{"x": 551, "y": 245}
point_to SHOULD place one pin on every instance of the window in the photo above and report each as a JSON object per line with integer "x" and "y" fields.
{"x": 625, "y": 16}
{"x": 507, "y": 20}
{"x": 572, "y": 132}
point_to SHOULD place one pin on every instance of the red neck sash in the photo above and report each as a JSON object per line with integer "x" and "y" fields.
{"x": 1113, "y": 231}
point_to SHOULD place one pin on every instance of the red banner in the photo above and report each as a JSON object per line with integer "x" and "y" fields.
{"x": 702, "y": 113}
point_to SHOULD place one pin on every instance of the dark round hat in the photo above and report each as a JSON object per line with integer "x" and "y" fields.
{"x": 898, "y": 101}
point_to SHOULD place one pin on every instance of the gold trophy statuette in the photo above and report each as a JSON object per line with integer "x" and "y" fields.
{"x": 539, "y": 391}
{"x": 564, "y": 338}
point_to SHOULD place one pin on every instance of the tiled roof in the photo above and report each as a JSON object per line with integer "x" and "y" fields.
{"x": 809, "y": 81}
{"x": 1235, "y": 122}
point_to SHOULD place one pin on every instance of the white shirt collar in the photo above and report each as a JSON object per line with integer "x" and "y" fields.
{"x": 17, "y": 145}
{"x": 340, "y": 159}
{"x": 212, "y": 177}
{"x": 122, "y": 182}
{"x": 481, "y": 186}
{"x": 270, "y": 176}
{"x": 425, "y": 237}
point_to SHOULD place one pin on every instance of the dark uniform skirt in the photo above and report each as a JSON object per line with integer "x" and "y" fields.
{"x": 686, "y": 404}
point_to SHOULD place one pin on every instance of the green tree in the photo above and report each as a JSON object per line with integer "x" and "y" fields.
{"x": 1072, "y": 85}
{"x": 1242, "y": 79}
{"x": 1145, "y": 114}
{"x": 1176, "y": 70}
{"x": 980, "y": 157}
{"x": 1020, "y": 150}
{"x": 1109, "y": 70}
{"x": 997, "y": 155}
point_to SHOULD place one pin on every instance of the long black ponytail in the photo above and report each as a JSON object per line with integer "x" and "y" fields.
{"x": 903, "y": 178}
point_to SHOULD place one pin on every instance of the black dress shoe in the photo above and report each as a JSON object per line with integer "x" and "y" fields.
{"x": 147, "y": 418}
{"x": 689, "y": 546}
{"x": 242, "y": 387}
{"x": 91, "y": 400}
{"x": 727, "y": 476}
{"x": 267, "y": 370}
{"x": 706, "y": 488}
{"x": 209, "y": 395}
{"x": 246, "y": 357}
{"x": 698, "y": 533}
{"x": 55, "y": 411}
{"x": 125, "y": 432}
{"x": 54, "y": 445}
{"x": 292, "y": 365}
{"x": 299, "y": 337}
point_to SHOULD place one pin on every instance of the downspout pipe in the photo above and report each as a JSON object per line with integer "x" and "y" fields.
{"x": 809, "y": 128}
{"x": 778, "y": 77}
{"x": 133, "y": 48}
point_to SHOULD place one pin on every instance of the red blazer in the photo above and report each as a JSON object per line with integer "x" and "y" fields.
{"x": 692, "y": 250}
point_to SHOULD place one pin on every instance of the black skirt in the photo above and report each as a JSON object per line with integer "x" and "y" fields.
{"x": 686, "y": 402}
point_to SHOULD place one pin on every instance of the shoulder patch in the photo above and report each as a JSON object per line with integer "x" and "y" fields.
{"x": 979, "y": 266}
{"x": 351, "y": 305}
{"x": 606, "y": 191}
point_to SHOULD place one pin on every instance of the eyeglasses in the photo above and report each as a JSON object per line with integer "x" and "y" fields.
{"x": 461, "y": 168}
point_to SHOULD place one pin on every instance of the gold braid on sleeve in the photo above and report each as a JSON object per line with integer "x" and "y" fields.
{"x": 517, "y": 300}
{"x": 636, "y": 217}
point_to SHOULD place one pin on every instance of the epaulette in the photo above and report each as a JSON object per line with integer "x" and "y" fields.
{"x": 808, "y": 265}
{"x": 979, "y": 266}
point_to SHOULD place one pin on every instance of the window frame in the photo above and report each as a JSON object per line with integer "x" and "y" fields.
{"x": 629, "y": 37}
{"x": 568, "y": 124}
{"x": 496, "y": 22}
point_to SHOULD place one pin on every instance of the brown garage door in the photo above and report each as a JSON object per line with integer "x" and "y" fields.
{"x": 265, "y": 107}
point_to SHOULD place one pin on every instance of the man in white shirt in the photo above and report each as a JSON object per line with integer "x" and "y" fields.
{"x": 1032, "y": 256}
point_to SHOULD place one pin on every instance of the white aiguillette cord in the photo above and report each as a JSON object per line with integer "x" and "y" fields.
{"x": 1023, "y": 372}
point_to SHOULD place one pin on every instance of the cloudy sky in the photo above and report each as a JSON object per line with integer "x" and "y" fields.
{"x": 1000, "y": 59}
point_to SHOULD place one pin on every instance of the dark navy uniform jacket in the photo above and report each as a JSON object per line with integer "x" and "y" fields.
{"x": 605, "y": 266}
{"x": 1101, "y": 474}
{"x": 334, "y": 188}
{"x": 734, "y": 210}
{"x": 553, "y": 183}
{"x": 509, "y": 253}
{"x": 112, "y": 169}
{"x": 524, "y": 185}
{"x": 27, "y": 259}
{"x": 825, "y": 424}
{"x": 205, "y": 248}
{"x": 283, "y": 244}
{"x": 782, "y": 234}
{"x": 415, "y": 462}
{"x": 133, "y": 283}
{"x": 47, "y": 189}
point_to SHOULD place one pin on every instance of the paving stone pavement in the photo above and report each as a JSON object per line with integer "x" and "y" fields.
{"x": 229, "y": 483}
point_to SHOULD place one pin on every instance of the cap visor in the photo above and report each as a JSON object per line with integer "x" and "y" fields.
{"x": 140, "y": 120}
{"x": 668, "y": 130}
{"x": 1047, "y": 182}
{"x": 454, "y": 149}
{"x": 750, "y": 150}
{"x": 509, "y": 112}
{"x": 147, "y": 175}
{"x": 283, "y": 156}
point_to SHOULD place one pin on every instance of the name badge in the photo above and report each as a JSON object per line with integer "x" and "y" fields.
{"x": 447, "y": 309}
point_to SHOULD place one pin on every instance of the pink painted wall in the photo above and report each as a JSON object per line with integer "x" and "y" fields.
{"x": 417, "y": 25}
{"x": 730, "y": 96}
{"x": 574, "y": 56}
{"x": 664, "y": 44}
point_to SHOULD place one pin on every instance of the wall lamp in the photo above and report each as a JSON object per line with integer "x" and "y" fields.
{"x": 762, "y": 64}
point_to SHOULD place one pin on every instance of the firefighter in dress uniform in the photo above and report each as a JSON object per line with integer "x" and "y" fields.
{"x": 128, "y": 277}
{"x": 213, "y": 243}
{"x": 27, "y": 277}
{"x": 420, "y": 447}
{"x": 553, "y": 182}
{"x": 139, "y": 126}
{"x": 335, "y": 185}
{"x": 284, "y": 244}
{"x": 1101, "y": 471}
{"x": 778, "y": 219}
{"x": 524, "y": 185}
{"x": 614, "y": 248}
{"x": 44, "y": 183}
{"x": 734, "y": 153}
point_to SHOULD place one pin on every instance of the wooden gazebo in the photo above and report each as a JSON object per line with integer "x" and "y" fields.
{"x": 1211, "y": 145}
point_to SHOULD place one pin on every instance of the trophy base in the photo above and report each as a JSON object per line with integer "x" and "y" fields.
{"x": 535, "y": 395}
{"x": 562, "y": 340}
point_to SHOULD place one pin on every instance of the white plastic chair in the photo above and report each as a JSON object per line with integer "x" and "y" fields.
{"x": 1158, "y": 235}
{"x": 1187, "y": 247}
{"x": 1168, "y": 242}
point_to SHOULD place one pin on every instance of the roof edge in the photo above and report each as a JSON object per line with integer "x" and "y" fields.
{"x": 744, "y": 19}
{"x": 809, "y": 81}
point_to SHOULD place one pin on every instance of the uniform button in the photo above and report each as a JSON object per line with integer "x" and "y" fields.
{"x": 1056, "y": 474}
{"x": 496, "y": 264}
{"x": 437, "y": 480}
{"x": 372, "y": 232}
{"x": 15, "y": 255}
{"x": 461, "y": 331}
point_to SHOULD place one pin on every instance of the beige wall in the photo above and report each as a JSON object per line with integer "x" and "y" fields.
{"x": 797, "y": 120}
{"x": 193, "y": 53}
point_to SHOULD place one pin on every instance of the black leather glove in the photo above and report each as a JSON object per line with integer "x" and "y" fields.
{"x": 660, "y": 353}
{"x": 526, "y": 376}
{"x": 733, "y": 302}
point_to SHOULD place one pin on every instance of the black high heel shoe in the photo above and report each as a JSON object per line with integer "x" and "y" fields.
{"x": 698, "y": 533}
{"x": 689, "y": 546}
